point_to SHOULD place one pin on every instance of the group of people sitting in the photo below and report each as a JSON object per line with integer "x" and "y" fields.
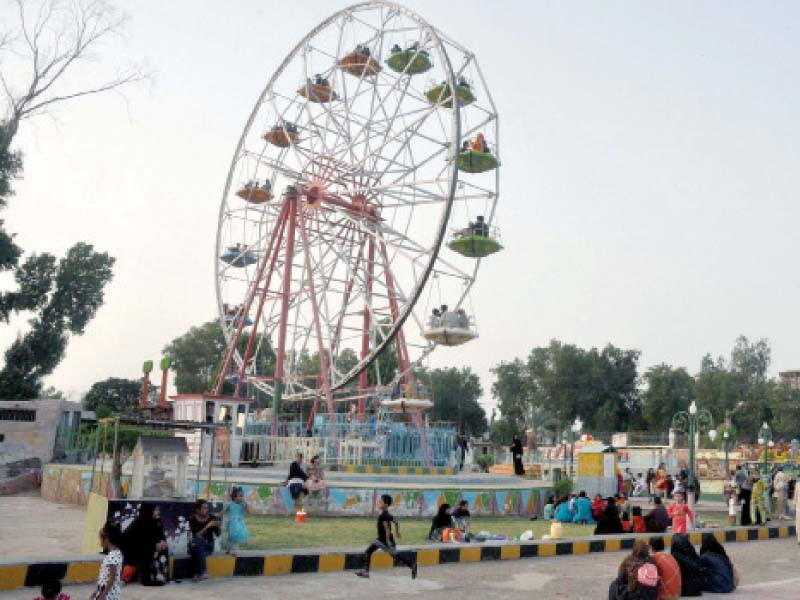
{"x": 363, "y": 50}
{"x": 302, "y": 482}
{"x": 442, "y": 317}
{"x": 618, "y": 515}
{"x": 253, "y": 184}
{"x": 649, "y": 573}
{"x": 479, "y": 144}
{"x": 320, "y": 80}
{"x": 450, "y": 525}
{"x": 287, "y": 125}
{"x": 411, "y": 48}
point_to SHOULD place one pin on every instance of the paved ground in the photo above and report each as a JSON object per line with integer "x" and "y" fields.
{"x": 768, "y": 570}
{"x": 33, "y": 528}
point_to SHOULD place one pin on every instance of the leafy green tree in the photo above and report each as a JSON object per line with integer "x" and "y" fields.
{"x": 115, "y": 396}
{"x": 455, "y": 393}
{"x": 197, "y": 357}
{"x": 668, "y": 391}
{"x": 64, "y": 297}
{"x": 513, "y": 390}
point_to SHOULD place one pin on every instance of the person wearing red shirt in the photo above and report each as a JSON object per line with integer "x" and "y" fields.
{"x": 680, "y": 513}
{"x": 669, "y": 572}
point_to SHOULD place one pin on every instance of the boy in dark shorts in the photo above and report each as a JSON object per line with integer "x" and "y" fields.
{"x": 385, "y": 540}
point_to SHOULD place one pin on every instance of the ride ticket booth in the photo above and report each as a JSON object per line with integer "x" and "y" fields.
{"x": 598, "y": 466}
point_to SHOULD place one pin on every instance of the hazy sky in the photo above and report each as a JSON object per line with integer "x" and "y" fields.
{"x": 648, "y": 191}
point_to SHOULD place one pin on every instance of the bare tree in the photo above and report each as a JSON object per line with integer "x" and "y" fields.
{"x": 53, "y": 41}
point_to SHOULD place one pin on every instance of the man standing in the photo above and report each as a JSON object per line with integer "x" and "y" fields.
{"x": 779, "y": 484}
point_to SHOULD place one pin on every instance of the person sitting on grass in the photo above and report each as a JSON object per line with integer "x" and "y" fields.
{"x": 637, "y": 520}
{"x": 720, "y": 576}
{"x": 598, "y": 506}
{"x": 51, "y": 590}
{"x": 385, "y": 540}
{"x": 609, "y": 521}
{"x": 549, "y": 508}
{"x": 692, "y": 570}
{"x": 669, "y": 573}
{"x": 637, "y": 578}
{"x": 441, "y": 521}
{"x": 657, "y": 520}
{"x": 563, "y": 512}
{"x": 461, "y": 516}
{"x": 583, "y": 510}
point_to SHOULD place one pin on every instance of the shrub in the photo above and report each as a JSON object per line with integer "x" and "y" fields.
{"x": 485, "y": 461}
{"x": 562, "y": 487}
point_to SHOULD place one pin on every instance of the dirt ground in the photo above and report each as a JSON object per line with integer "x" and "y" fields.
{"x": 32, "y": 528}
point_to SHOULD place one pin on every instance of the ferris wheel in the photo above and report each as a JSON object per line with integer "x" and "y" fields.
{"x": 358, "y": 205}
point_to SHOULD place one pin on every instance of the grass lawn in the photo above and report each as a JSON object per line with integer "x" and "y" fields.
{"x": 273, "y": 532}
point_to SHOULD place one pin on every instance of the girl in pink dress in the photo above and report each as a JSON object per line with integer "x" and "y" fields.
{"x": 679, "y": 511}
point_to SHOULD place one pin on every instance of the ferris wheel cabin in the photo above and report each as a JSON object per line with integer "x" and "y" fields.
{"x": 237, "y": 256}
{"x": 411, "y": 61}
{"x": 450, "y": 327}
{"x": 359, "y": 63}
{"x": 254, "y": 193}
{"x": 319, "y": 90}
{"x": 441, "y": 95}
{"x": 282, "y": 135}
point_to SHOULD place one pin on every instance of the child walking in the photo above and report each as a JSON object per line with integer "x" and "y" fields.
{"x": 680, "y": 513}
{"x": 733, "y": 509}
{"x": 237, "y": 530}
{"x": 385, "y": 540}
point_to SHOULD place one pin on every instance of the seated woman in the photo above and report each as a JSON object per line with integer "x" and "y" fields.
{"x": 598, "y": 506}
{"x": 657, "y": 520}
{"x": 719, "y": 577}
{"x": 583, "y": 510}
{"x": 441, "y": 521}
{"x": 316, "y": 476}
{"x": 637, "y": 578}
{"x": 563, "y": 512}
{"x": 296, "y": 482}
{"x": 144, "y": 548}
{"x": 549, "y": 508}
{"x": 396, "y": 48}
{"x": 637, "y": 521}
{"x": 609, "y": 522}
{"x": 692, "y": 569}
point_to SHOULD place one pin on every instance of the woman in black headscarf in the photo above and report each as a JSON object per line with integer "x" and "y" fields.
{"x": 692, "y": 570}
{"x": 719, "y": 568}
{"x": 144, "y": 546}
{"x": 609, "y": 521}
{"x": 516, "y": 454}
{"x": 441, "y": 520}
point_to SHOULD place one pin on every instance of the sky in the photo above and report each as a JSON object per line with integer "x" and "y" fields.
{"x": 649, "y": 174}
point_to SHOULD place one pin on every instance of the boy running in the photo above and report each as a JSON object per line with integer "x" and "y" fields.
{"x": 385, "y": 540}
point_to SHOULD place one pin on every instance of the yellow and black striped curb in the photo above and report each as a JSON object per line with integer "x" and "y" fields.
{"x": 14, "y": 575}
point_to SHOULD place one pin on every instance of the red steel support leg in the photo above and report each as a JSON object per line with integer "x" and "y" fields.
{"x": 287, "y": 284}
{"x": 400, "y": 346}
{"x": 272, "y": 249}
{"x": 248, "y": 303}
{"x": 362, "y": 378}
{"x": 323, "y": 356}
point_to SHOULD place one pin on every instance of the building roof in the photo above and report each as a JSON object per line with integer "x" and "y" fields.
{"x": 163, "y": 445}
{"x": 210, "y": 397}
{"x": 596, "y": 449}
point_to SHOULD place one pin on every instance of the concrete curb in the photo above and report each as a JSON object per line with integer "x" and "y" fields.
{"x": 84, "y": 569}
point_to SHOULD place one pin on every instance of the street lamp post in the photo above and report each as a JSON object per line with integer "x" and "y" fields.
{"x": 695, "y": 421}
{"x": 576, "y": 427}
{"x": 725, "y": 447}
{"x": 765, "y": 438}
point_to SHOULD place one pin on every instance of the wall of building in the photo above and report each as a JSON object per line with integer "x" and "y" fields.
{"x": 28, "y": 428}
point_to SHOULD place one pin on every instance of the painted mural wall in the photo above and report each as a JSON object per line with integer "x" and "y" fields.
{"x": 65, "y": 484}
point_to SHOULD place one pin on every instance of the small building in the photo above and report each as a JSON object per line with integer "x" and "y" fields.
{"x": 37, "y": 429}
{"x": 159, "y": 468}
{"x": 791, "y": 378}
{"x": 227, "y": 412}
{"x": 597, "y": 470}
